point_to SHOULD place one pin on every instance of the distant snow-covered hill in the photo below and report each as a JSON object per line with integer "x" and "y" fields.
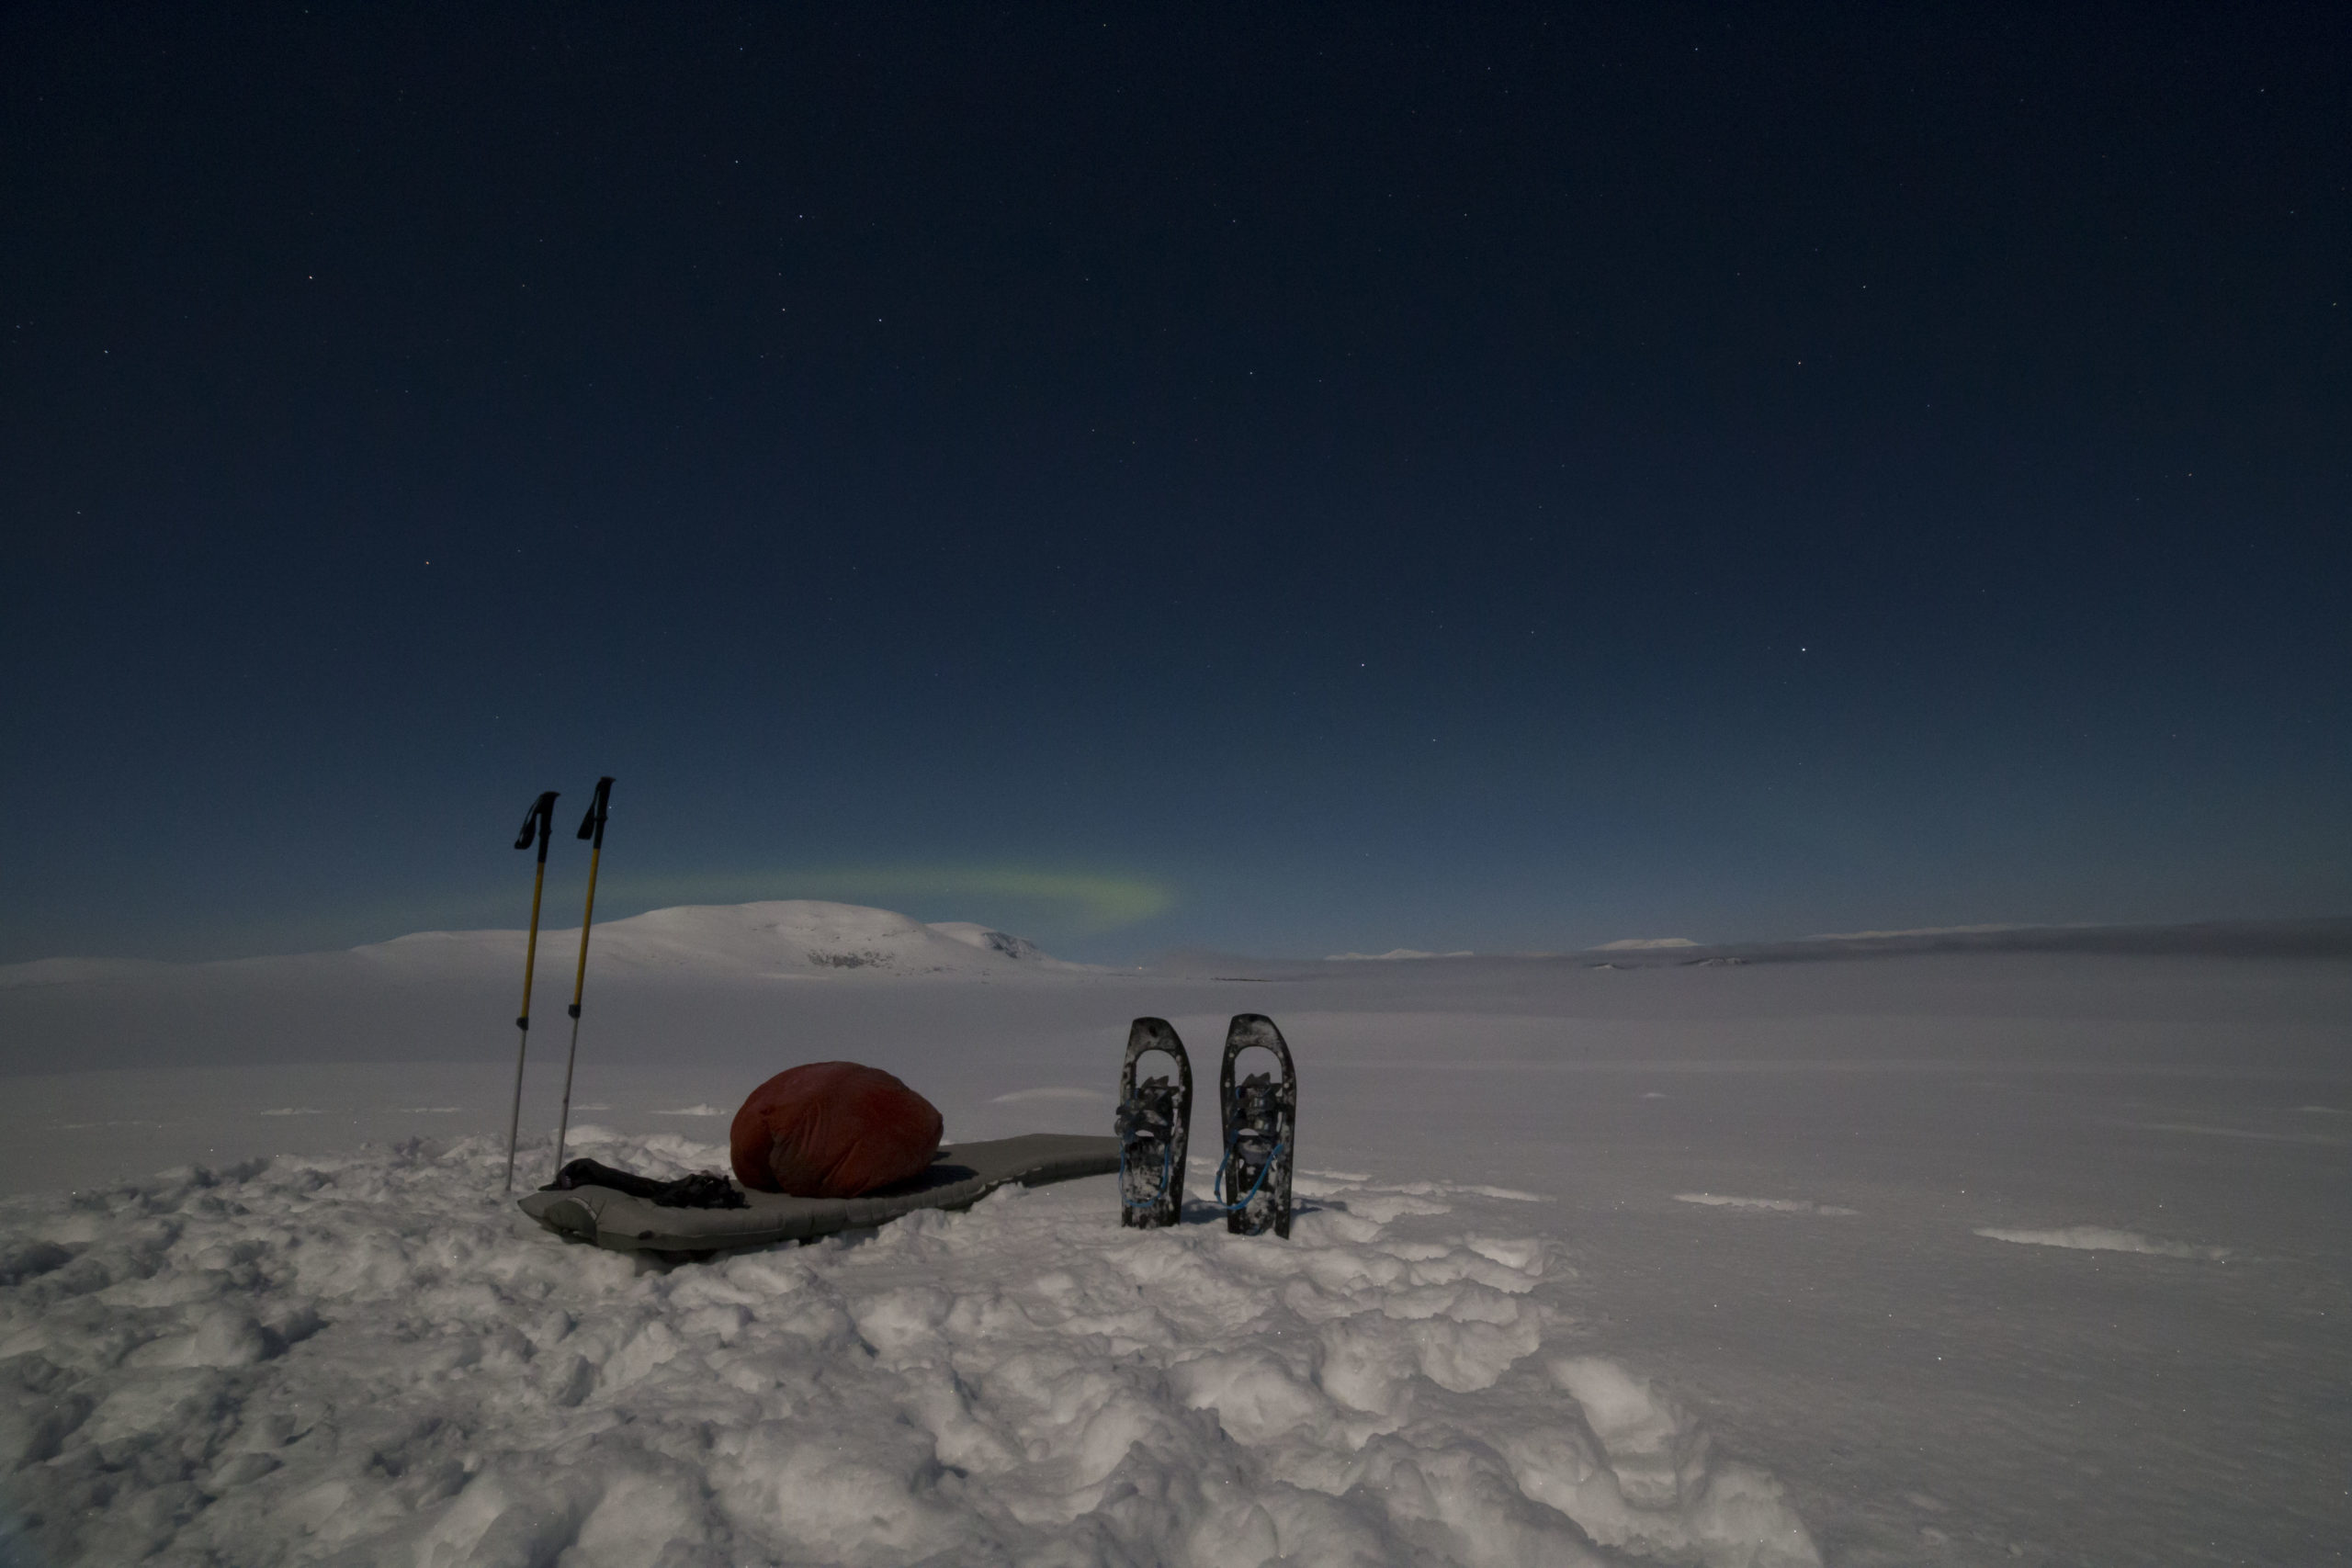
{"x": 791, "y": 938}
{"x": 785, "y": 937}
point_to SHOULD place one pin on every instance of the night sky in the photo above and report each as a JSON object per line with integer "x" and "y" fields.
{"x": 1283, "y": 478}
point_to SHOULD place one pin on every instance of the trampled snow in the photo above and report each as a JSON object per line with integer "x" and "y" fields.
{"x": 1971, "y": 1257}
{"x": 357, "y": 1359}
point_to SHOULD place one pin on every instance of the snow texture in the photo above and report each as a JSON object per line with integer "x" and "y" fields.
{"x": 789, "y": 938}
{"x": 2100, "y": 1238}
{"x": 1392, "y": 955}
{"x": 1769, "y": 1205}
{"x": 372, "y": 1359}
{"x": 1920, "y": 1393}
{"x": 1020, "y": 949}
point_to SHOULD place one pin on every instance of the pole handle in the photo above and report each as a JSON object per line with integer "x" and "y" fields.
{"x": 538, "y": 821}
{"x": 592, "y": 824}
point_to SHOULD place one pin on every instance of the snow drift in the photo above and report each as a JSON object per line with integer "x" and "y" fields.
{"x": 372, "y": 1359}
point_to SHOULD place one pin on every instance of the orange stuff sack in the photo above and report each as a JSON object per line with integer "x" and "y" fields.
{"x": 831, "y": 1130}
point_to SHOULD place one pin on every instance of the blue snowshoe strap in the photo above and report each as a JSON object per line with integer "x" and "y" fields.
{"x": 1264, "y": 1166}
{"x": 1167, "y": 1160}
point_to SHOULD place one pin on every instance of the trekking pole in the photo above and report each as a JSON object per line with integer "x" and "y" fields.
{"x": 591, "y": 827}
{"x": 541, "y": 818}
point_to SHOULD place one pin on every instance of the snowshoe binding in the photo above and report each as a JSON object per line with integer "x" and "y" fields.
{"x": 1153, "y": 1125}
{"x": 1260, "y": 1113}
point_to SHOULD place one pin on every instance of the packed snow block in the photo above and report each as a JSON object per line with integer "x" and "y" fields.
{"x": 831, "y": 1130}
{"x": 961, "y": 1176}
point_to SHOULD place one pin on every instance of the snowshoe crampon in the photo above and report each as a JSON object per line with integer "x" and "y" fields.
{"x": 1260, "y": 1116}
{"x": 1154, "y": 1122}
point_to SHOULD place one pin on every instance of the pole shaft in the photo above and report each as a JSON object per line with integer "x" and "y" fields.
{"x": 531, "y": 947}
{"x": 579, "y": 984}
{"x": 563, "y": 1121}
{"x": 522, "y": 1022}
{"x": 580, "y": 977}
{"x": 514, "y": 1116}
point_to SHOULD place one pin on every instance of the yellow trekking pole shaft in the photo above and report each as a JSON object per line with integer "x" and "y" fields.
{"x": 531, "y": 946}
{"x": 540, "y": 822}
{"x": 591, "y": 827}
{"x": 587, "y": 920}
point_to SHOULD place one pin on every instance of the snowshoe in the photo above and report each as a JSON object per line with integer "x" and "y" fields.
{"x": 1153, "y": 1125}
{"x": 1260, "y": 1113}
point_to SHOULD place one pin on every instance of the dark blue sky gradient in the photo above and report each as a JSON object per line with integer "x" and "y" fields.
{"x": 1352, "y": 477}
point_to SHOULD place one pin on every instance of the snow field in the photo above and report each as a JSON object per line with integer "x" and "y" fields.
{"x": 375, "y": 1358}
{"x": 2058, "y": 1404}
{"x": 2104, "y": 1239}
{"x": 1763, "y": 1205}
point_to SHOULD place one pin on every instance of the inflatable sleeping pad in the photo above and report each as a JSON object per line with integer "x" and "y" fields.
{"x": 960, "y": 1175}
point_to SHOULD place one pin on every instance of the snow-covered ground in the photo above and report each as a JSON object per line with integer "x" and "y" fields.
{"x": 1985, "y": 1256}
{"x": 358, "y": 1358}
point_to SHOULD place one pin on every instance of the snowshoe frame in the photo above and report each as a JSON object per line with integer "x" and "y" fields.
{"x": 1260, "y": 1116}
{"x": 1154, "y": 1124}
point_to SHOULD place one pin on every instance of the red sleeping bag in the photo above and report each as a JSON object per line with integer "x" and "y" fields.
{"x": 831, "y": 1130}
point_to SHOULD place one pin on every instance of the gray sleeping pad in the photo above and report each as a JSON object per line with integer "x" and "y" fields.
{"x": 960, "y": 1175}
